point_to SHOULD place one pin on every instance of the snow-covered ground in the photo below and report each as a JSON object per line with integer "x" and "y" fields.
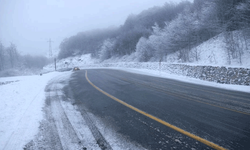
{"x": 21, "y": 102}
{"x": 22, "y": 99}
{"x": 214, "y": 53}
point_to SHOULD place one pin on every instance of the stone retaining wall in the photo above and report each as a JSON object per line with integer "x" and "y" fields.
{"x": 225, "y": 75}
{"x": 238, "y": 76}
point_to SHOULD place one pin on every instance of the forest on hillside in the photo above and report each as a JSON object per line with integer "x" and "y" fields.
{"x": 11, "y": 59}
{"x": 160, "y": 31}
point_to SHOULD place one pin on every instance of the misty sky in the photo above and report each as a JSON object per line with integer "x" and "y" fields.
{"x": 30, "y": 23}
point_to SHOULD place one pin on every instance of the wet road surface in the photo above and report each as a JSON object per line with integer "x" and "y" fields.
{"x": 214, "y": 115}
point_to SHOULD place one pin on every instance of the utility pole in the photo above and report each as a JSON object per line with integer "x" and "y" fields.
{"x": 50, "y": 49}
{"x": 55, "y": 63}
{"x": 50, "y": 52}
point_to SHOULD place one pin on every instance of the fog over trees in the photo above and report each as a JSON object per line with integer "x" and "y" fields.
{"x": 160, "y": 31}
{"x": 11, "y": 59}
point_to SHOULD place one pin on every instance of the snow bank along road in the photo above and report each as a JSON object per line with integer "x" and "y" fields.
{"x": 159, "y": 113}
{"x": 21, "y": 102}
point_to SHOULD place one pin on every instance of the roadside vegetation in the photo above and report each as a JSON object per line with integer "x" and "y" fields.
{"x": 158, "y": 32}
{"x": 12, "y": 63}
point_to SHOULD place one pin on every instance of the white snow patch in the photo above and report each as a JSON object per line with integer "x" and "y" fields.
{"x": 213, "y": 52}
{"x": 21, "y": 109}
{"x": 80, "y": 126}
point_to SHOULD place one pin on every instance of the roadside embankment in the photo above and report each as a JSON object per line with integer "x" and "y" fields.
{"x": 219, "y": 74}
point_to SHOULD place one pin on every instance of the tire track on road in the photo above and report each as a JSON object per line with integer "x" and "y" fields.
{"x": 66, "y": 127}
{"x": 66, "y": 132}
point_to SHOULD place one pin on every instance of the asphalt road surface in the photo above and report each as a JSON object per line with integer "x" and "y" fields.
{"x": 160, "y": 113}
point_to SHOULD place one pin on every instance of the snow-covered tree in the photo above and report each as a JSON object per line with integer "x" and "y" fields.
{"x": 12, "y": 55}
{"x": 2, "y": 57}
{"x": 144, "y": 50}
{"x": 106, "y": 49}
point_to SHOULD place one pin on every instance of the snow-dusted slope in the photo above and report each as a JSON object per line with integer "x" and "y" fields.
{"x": 211, "y": 52}
{"x": 214, "y": 53}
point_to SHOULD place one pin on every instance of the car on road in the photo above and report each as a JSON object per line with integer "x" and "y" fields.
{"x": 76, "y": 68}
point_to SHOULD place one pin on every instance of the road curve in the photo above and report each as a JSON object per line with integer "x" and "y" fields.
{"x": 215, "y": 118}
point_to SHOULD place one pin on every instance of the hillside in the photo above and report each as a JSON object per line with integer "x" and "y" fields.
{"x": 236, "y": 76}
{"x": 209, "y": 61}
{"x": 215, "y": 52}
{"x": 202, "y": 32}
{"x": 212, "y": 52}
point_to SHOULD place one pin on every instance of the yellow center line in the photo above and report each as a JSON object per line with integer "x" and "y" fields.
{"x": 208, "y": 143}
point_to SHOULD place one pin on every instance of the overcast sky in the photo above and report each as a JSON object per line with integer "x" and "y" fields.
{"x": 29, "y": 24}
